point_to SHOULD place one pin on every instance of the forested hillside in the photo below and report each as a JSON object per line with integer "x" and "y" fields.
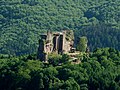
{"x": 22, "y": 21}
{"x": 100, "y": 71}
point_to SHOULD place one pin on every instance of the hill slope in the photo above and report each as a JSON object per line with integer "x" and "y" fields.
{"x": 22, "y": 21}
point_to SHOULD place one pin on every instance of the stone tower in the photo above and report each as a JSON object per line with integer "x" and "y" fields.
{"x": 58, "y": 42}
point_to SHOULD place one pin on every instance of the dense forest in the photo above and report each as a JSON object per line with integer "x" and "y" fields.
{"x": 22, "y": 21}
{"x": 94, "y": 21}
{"x": 99, "y": 71}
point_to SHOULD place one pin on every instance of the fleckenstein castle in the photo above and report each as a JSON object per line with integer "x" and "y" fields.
{"x": 56, "y": 42}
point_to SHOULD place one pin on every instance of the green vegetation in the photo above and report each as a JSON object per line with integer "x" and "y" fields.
{"x": 54, "y": 59}
{"x": 22, "y": 21}
{"x": 99, "y": 71}
{"x": 82, "y": 45}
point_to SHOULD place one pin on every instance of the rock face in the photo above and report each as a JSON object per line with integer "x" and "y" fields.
{"x": 58, "y": 42}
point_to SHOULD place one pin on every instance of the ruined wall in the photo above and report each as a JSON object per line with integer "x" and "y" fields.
{"x": 59, "y": 42}
{"x": 69, "y": 40}
{"x": 41, "y": 54}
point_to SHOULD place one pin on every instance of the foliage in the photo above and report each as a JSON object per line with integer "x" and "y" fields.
{"x": 22, "y": 22}
{"x": 82, "y": 46}
{"x": 100, "y": 71}
{"x": 54, "y": 59}
{"x": 65, "y": 58}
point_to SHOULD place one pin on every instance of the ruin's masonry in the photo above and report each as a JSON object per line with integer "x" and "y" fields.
{"x": 58, "y": 42}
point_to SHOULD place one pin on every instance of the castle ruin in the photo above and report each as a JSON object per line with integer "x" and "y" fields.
{"x": 57, "y": 42}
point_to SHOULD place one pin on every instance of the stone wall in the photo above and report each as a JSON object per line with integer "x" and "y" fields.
{"x": 59, "y": 42}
